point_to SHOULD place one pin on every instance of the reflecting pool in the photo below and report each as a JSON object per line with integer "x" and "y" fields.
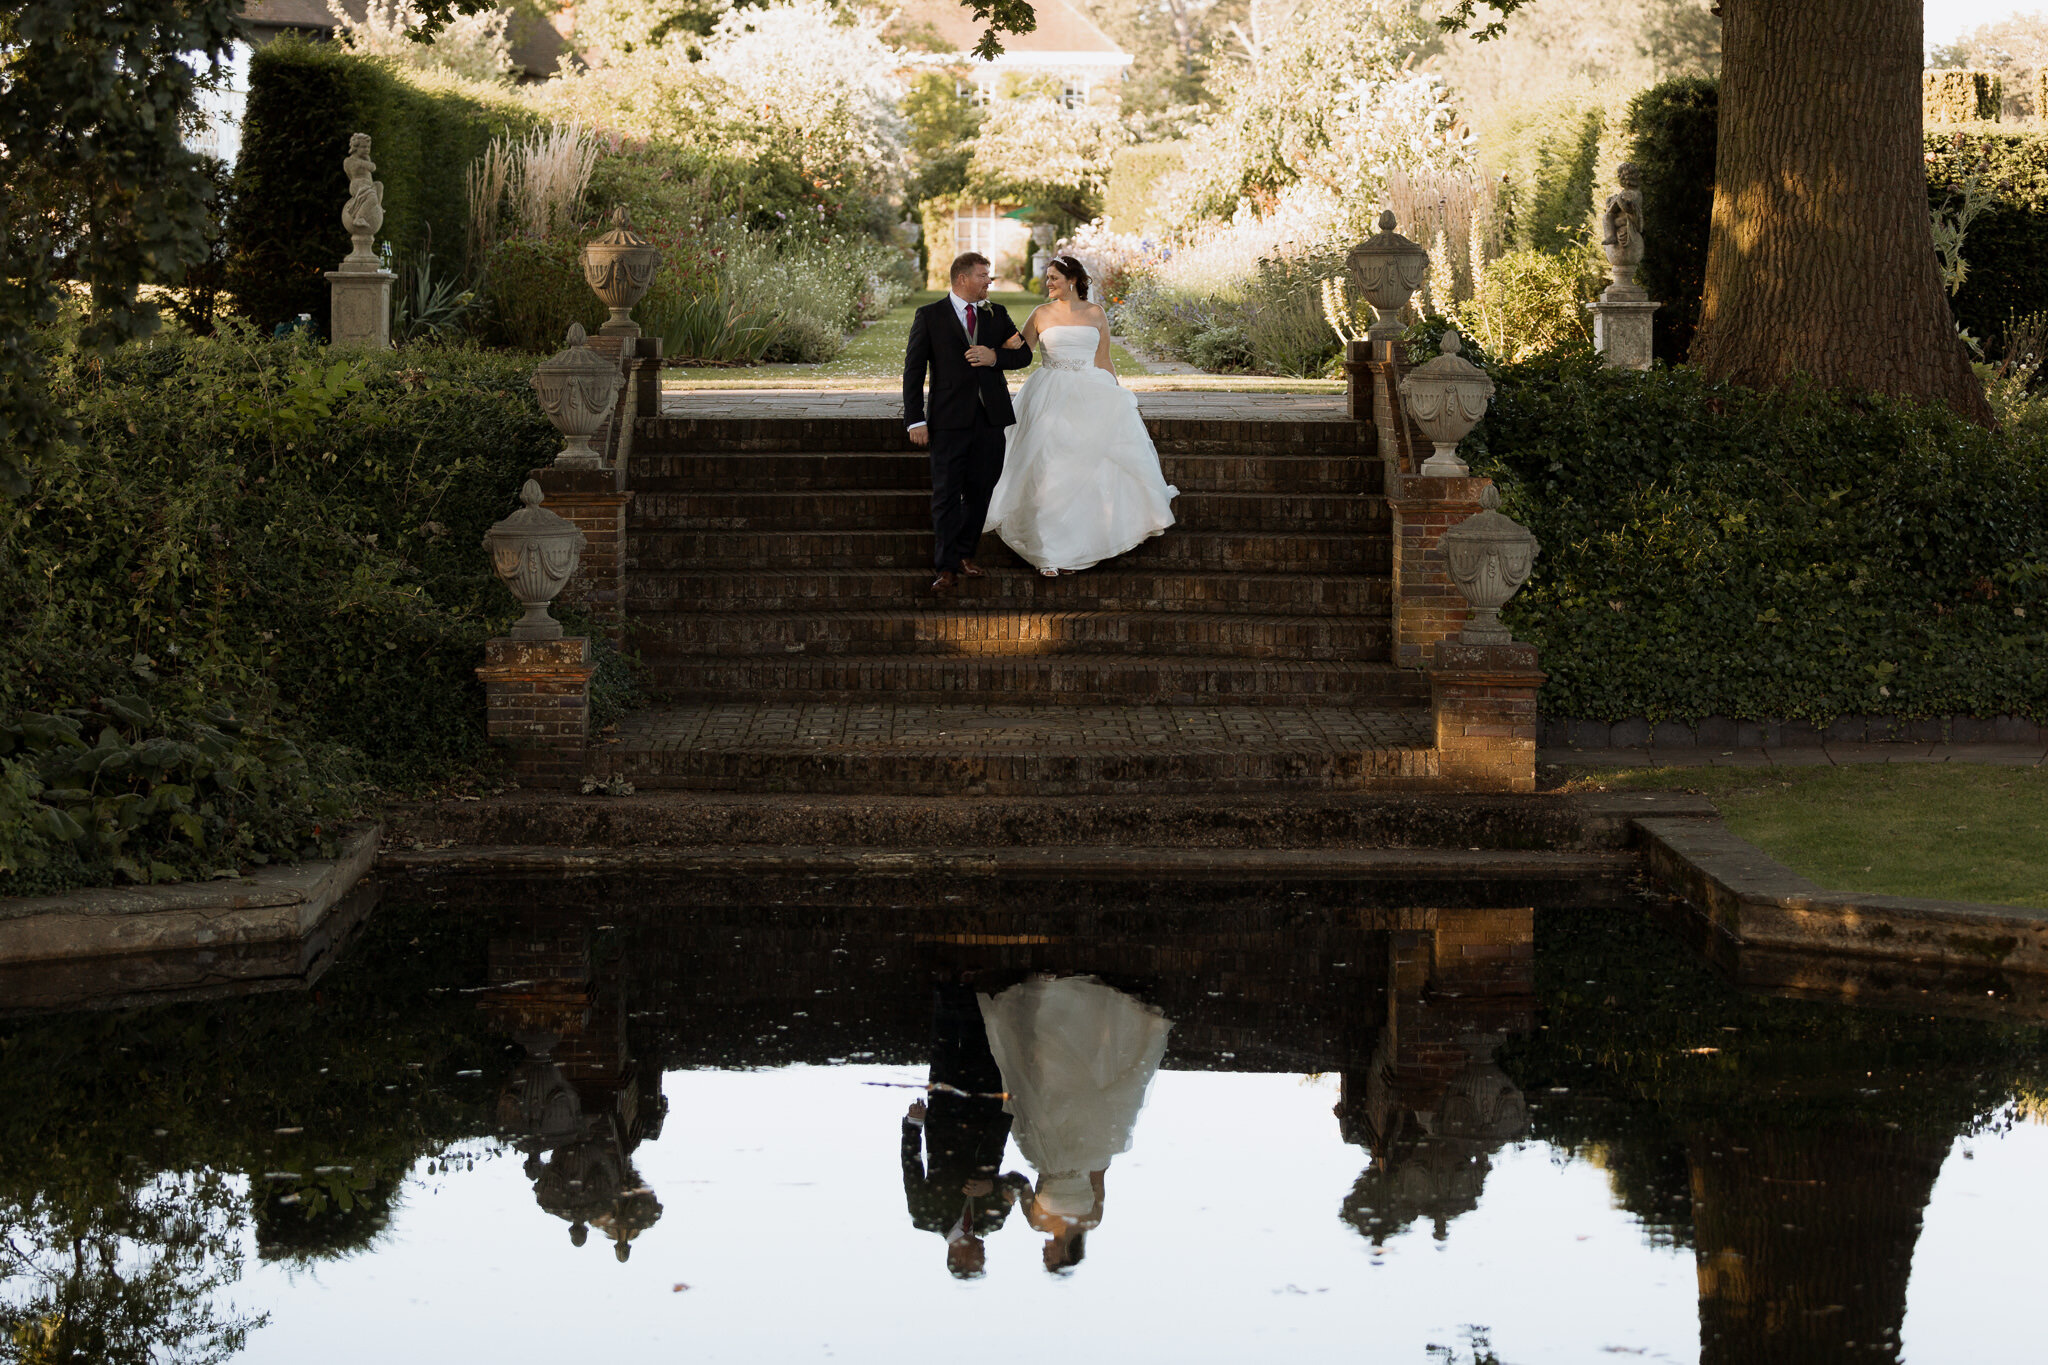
{"x": 791, "y": 1120}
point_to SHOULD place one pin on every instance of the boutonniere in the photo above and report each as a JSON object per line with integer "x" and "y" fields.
{"x": 983, "y": 307}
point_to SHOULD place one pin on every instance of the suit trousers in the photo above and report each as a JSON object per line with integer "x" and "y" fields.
{"x": 966, "y": 463}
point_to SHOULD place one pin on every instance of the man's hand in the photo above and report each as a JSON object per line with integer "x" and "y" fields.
{"x": 920, "y": 436}
{"x": 916, "y": 1114}
{"x": 981, "y": 356}
{"x": 978, "y": 1189}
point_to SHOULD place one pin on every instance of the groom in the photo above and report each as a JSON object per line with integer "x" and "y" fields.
{"x": 959, "y": 339}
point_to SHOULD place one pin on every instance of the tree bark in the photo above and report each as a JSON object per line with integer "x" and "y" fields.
{"x": 1820, "y": 262}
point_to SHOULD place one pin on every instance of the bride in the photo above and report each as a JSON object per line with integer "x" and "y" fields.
{"x": 1081, "y": 480}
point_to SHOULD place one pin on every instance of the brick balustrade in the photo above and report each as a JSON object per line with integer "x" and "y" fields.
{"x": 537, "y": 699}
{"x": 1484, "y": 700}
{"x": 1427, "y": 605}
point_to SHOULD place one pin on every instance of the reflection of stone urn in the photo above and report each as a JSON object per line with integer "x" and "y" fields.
{"x": 577, "y": 390}
{"x": 535, "y": 553}
{"x": 1489, "y": 556}
{"x": 620, "y": 266}
{"x": 1387, "y": 268}
{"x": 1447, "y": 397}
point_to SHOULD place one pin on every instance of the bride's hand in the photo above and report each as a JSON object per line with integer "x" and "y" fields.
{"x": 1015, "y": 342}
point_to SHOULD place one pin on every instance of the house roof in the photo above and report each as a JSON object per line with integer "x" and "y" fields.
{"x": 536, "y": 47}
{"x": 1063, "y": 33}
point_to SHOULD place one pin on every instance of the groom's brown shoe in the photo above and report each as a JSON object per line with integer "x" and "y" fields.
{"x": 969, "y": 569}
{"x": 946, "y": 579}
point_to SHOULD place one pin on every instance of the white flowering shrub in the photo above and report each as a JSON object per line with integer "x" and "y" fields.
{"x": 473, "y": 46}
{"x": 1032, "y": 149}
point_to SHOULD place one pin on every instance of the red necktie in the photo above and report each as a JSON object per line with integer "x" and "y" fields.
{"x": 970, "y": 324}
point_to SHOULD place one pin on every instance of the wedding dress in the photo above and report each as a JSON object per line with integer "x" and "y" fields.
{"x": 1081, "y": 480}
{"x": 1077, "y": 1057}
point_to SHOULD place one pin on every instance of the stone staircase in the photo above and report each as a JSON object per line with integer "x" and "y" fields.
{"x": 778, "y": 572}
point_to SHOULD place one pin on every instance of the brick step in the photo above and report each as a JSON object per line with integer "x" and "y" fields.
{"x": 1110, "y": 588}
{"x": 905, "y": 508}
{"x": 1066, "y": 679}
{"x": 1173, "y": 435}
{"x": 1260, "y": 551}
{"x": 1291, "y": 471}
{"x": 1036, "y": 772}
{"x": 967, "y": 631}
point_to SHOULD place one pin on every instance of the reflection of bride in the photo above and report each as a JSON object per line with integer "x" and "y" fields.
{"x": 1076, "y": 1058}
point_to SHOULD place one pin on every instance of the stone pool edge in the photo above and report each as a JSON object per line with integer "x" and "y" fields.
{"x": 269, "y": 905}
{"x": 1749, "y": 896}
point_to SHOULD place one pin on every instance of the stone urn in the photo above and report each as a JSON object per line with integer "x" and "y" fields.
{"x": 1489, "y": 556}
{"x": 578, "y": 390}
{"x": 620, "y": 266}
{"x": 1387, "y": 268}
{"x": 1447, "y": 397}
{"x": 535, "y": 553}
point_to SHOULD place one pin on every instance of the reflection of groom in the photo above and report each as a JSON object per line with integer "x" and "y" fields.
{"x": 960, "y": 340}
{"x": 954, "y": 1186}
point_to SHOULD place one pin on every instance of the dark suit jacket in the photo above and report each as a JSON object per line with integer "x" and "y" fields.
{"x": 935, "y": 1194}
{"x": 938, "y": 343}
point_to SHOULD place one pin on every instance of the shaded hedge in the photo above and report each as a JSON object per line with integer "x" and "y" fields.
{"x": 1672, "y": 130}
{"x": 1548, "y": 152}
{"x": 305, "y": 100}
{"x": 2007, "y": 247}
{"x": 1713, "y": 550}
{"x": 1134, "y": 177}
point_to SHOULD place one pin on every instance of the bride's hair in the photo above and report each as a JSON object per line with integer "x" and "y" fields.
{"x": 1075, "y": 272}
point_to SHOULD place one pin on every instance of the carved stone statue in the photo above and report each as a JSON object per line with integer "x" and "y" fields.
{"x": 1621, "y": 233}
{"x": 363, "y": 215}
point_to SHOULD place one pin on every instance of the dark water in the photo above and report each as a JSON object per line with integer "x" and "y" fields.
{"x": 531, "y": 1121}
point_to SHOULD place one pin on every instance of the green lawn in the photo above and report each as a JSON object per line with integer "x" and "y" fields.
{"x": 1957, "y": 831}
{"x": 874, "y": 356}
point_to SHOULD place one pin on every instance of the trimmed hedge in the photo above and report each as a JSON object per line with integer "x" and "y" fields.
{"x": 2007, "y": 247}
{"x": 1134, "y": 176}
{"x": 1714, "y": 550}
{"x": 1961, "y": 96}
{"x": 1672, "y": 131}
{"x": 305, "y": 100}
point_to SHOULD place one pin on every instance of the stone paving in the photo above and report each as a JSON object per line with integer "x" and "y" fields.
{"x": 829, "y": 403}
{"x": 1796, "y": 756}
{"x": 876, "y": 727}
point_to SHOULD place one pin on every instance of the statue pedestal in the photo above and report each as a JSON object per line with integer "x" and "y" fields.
{"x": 361, "y": 307}
{"x": 1621, "y": 327}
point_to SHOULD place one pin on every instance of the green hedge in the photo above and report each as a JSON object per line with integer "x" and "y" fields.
{"x": 1960, "y": 96}
{"x": 1672, "y": 129}
{"x": 1713, "y": 550}
{"x": 1134, "y": 176}
{"x": 305, "y": 100}
{"x": 2007, "y": 247}
{"x": 1548, "y": 151}
{"x": 255, "y": 522}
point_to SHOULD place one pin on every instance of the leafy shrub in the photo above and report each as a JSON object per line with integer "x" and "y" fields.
{"x": 1221, "y": 349}
{"x": 1714, "y": 550}
{"x": 1960, "y": 96}
{"x": 535, "y": 289}
{"x": 1549, "y": 152}
{"x": 2008, "y": 240}
{"x": 255, "y": 520}
{"x": 1672, "y": 130}
{"x": 1530, "y": 303}
{"x": 1135, "y": 174}
{"x": 117, "y": 789}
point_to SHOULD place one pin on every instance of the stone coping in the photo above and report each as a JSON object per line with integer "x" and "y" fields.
{"x": 1757, "y": 901}
{"x": 272, "y": 904}
{"x": 1720, "y": 732}
{"x": 878, "y": 404}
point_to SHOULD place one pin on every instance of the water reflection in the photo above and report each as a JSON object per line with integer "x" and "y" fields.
{"x": 1788, "y": 1148}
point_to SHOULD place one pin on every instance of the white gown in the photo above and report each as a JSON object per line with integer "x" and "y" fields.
{"x": 1077, "y": 1057}
{"x": 1081, "y": 480}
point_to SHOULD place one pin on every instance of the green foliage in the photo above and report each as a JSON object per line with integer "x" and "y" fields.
{"x": 2008, "y": 240}
{"x": 1222, "y": 348}
{"x": 536, "y": 289}
{"x": 1134, "y": 176}
{"x": 93, "y": 168}
{"x": 305, "y": 99}
{"x": 1548, "y": 151}
{"x": 117, "y": 789}
{"x": 942, "y": 123}
{"x": 244, "y": 520}
{"x": 1713, "y": 550}
{"x": 1530, "y": 303}
{"x": 1961, "y": 96}
{"x": 1672, "y": 129}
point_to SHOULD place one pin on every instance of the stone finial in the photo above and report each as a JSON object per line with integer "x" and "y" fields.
{"x": 1447, "y": 397}
{"x": 534, "y": 553}
{"x": 1490, "y": 556}
{"x": 620, "y": 267}
{"x": 577, "y": 389}
{"x": 1387, "y": 268}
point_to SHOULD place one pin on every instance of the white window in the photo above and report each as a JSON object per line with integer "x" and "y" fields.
{"x": 974, "y": 229}
{"x": 1075, "y": 92}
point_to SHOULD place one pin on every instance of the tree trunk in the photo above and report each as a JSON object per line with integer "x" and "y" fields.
{"x": 1820, "y": 261}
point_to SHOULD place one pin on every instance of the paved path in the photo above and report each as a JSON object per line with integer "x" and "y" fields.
{"x": 968, "y": 729}
{"x": 1798, "y": 756}
{"x": 826, "y": 403}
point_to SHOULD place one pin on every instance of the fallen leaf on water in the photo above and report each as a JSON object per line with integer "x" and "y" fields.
{"x": 678, "y": 1289}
